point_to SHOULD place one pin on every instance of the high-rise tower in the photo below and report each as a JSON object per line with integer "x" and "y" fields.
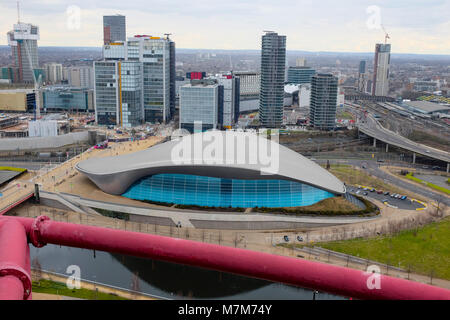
{"x": 114, "y": 29}
{"x": 324, "y": 91}
{"x": 23, "y": 41}
{"x": 273, "y": 63}
{"x": 381, "y": 70}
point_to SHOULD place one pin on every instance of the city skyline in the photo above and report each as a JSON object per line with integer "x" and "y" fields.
{"x": 351, "y": 27}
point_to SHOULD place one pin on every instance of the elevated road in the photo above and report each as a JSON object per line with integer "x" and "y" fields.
{"x": 371, "y": 127}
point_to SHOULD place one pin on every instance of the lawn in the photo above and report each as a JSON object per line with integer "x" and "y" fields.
{"x": 58, "y": 288}
{"x": 425, "y": 250}
{"x": 353, "y": 176}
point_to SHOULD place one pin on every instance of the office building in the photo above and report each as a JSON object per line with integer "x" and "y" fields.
{"x": 250, "y": 84}
{"x": 273, "y": 62}
{"x": 231, "y": 99}
{"x": 64, "y": 98}
{"x": 17, "y": 100}
{"x": 300, "y": 62}
{"x": 11, "y": 74}
{"x": 201, "y": 103}
{"x": 53, "y": 72}
{"x": 324, "y": 93}
{"x": 114, "y": 29}
{"x": 23, "y": 42}
{"x": 300, "y": 75}
{"x": 381, "y": 70}
{"x": 82, "y": 77}
{"x": 118, "y": 93}
{"x": 155, "y": 55}
{"x": 362, "y": 76}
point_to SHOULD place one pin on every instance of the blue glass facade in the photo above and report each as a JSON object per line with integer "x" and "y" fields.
{"x": 219, "y": 192}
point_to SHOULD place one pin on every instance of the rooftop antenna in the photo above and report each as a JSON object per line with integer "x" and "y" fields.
{"x": 167, "y": 35}
{"x": 386, "y": 35}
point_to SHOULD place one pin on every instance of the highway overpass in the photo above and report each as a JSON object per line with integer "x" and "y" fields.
{"x": 371, "y": 127}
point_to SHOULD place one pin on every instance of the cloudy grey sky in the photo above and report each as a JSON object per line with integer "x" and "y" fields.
{"x": 415, "y": 26}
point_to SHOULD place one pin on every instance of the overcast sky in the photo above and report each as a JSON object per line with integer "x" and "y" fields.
{"x": 415, "y": 26}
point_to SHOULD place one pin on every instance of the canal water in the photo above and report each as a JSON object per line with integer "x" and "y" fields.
{"x": 163, "y": 279}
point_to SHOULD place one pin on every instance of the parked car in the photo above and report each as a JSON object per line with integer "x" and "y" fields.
{"x": 286, "y": 238}
{"x": 384, "y": 200}
{"x": 365, "y": 193}
{"x": 380, "y": 191}
{"x": 358, "y": 192}
{"x": 372, "y": 190}
{"x": 393, "y": 195}
{"x": 386, "y": 193}
{"x": 404, "y": 198}
{"x": 399, "y": 196}
{"x": 300, "y": 239}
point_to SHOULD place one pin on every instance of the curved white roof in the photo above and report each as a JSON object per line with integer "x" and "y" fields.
{"x": 223, "y": 154}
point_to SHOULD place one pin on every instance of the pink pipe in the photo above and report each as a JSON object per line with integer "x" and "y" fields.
{"x": 317, "y": 276}
{"x": 15, "y": 280}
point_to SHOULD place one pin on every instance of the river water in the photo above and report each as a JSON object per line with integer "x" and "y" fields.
{"x": 163, "y": 279}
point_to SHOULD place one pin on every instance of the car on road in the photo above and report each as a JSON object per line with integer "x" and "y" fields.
{"x": 358, "y": 192}
{"x": 436, "y": 168}
{"x": 380, "y": 160}
{"x": 427, "y": 151}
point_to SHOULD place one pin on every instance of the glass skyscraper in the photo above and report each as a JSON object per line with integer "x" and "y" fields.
{"x": 324, "y": 91}
{"x": 273, "y": 62}
{"x": 300, "y": 75}
{"x": 382, "y": 65}
{"x": 23, "y": 41}
{"x": 114, "y": 29}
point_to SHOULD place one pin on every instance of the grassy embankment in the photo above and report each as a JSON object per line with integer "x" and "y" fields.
{"x": 410, "y": 176}
{"x": 58, "y": 288}
{"x": 430, "y": 140}
{"x": 424, "y": 250}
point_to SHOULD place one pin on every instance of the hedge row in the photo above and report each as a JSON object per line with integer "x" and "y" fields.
{"x": 371, "y": 209}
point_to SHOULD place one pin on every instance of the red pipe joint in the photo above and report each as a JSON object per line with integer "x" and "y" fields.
{"x": 35, "y": 232}
{"x": 19, "y": 273}
{"x": 15, "y": 279}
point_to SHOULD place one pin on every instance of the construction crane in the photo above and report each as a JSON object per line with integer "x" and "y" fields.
{"x": 386, "y": 35}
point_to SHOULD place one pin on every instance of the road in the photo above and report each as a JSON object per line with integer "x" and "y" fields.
{"x": 373, "y": 168}
{"x": 371, "y": 127}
